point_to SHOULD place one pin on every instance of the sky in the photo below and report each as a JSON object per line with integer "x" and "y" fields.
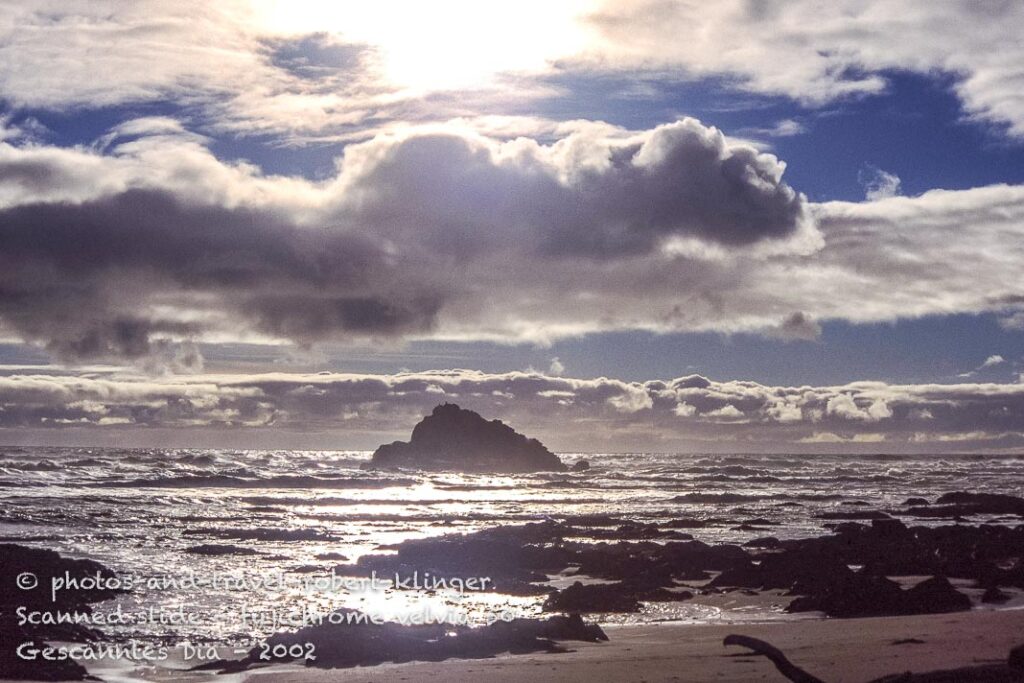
{"x": 634, "y": 225}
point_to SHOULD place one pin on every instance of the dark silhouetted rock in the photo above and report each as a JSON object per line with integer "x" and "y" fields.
{"x": 572, "y": 627}
{"x": 580, "y": 466}
{"x": 46, "y": 565}
{"x": 354, "y": 640}
{"x": 332, "y": 556}
{"x": 983, "y": 503}
{"x": 598, "y": 597}
{"x": 638, "y": 532}
{"x": 687, "y": 523}
{"x": 13, "y": 667}
{"x": 934, "y": 596}
{"x": 859, "y": 514}
{"x": 264, "y": 535}
{"x": 1016, "y": 658}
{"x": 624, "y": 596}
{"x": 218, "y": 549}
{"x": 994, "y": 596}
{"x": 451, "y": 438}
{"x": 862, "y": 594}
{"x": 916, "y": 501}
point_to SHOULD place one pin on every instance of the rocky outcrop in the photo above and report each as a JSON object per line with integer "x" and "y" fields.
{"x": 609, "y": 597}
{"x": 452, "y": 438}
{"x": 864, "y": 595}
{"x": 636, "y": 559}
{"x": 352, "y": 641}
{"x": 43, "y": 566}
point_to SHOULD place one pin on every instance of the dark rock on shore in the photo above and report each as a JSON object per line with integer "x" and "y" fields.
{"x": 597, "y": 597}
{"x": 14, "y": 668}
{"x": 511, "y": 556}
{"x": 264, "y": 535}
{"x": 45, "y": 565}
{"x": 639, "y": 559}
{"x": 985, "y": 503}
{"x": 860, "y": 514}
{"x": 994, "y": 596}
{"x": 689, "y": 523}
{"x": 623, "y": 596}
{"x": 355, "y": 642}
{"x": 960, "y": 504}
{"x": 863, "y": 595}
{"x": 638, "y": 532}
{"x": 218, "y": 549}
{"x": 451, "y": 438}
{"x": 337, "y": 557}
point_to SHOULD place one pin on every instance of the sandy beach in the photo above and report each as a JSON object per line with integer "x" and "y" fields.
{"x": 838, "y": 651}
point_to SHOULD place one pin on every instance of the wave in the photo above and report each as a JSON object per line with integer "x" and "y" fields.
{"x": 278, "y": 482}
{"x": 750, "y": 498}
{"x": 333, "y": 501}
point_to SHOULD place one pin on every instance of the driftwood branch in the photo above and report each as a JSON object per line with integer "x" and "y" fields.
{"x": 1012, "y": 671}
{"x": 774, "y": 654}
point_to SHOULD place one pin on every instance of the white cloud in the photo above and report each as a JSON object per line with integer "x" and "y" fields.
{"x": 575, "y": 413}
{"x": 557, "y": 368}
{"x": 784, "y": 128}
{"x": 818, "y": 53}
{"x": 787, "y": 128}
{"x": 992, "y": 361}
{"x": 632, "y": 399}
{"x": 684, "y": 409}
{"x": 727, "y": 413}
{"x": 304, "y": 70}
{"x": 879, "y": 184}
{"x": 844, "y": 406}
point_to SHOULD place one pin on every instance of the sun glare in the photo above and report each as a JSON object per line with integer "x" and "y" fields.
{"x": 442, "y": 44}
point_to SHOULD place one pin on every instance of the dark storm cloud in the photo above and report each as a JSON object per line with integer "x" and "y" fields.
{"x": 83, "y": 278}
{"x": 444, "y": 233}
{"x": 155, "y": 239}
{"x": 595, "y": 197}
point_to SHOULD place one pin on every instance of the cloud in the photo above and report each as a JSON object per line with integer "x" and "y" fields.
{"x": 684, "y": 409}
{"x": 787, "y": 128}
{"x": 557, "y": 368}
{"x": 157, "y": 240}
{"x": 992, "y": 361}
{"x": 783, "y": 128}
{"x": 844, "y": 406}
{"x": 879, "y": 184}
{"x": 820, "y": 53}
{"x": 574, "y": 413}
{"x": 314, "y": 72}
{"x": 442, "y": 233}
{"x": 797, "y": 326}
{"x": 591, "y": 193}
{"x": 631, "y": 399}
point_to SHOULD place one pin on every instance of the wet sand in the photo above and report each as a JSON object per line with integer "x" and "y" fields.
{"x": 837, "y": 651}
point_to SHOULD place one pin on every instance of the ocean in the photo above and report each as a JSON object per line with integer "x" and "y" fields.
{"x": 240, "y": 544}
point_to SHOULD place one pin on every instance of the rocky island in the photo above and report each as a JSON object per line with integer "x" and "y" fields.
{"x": 452, "y": 438}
